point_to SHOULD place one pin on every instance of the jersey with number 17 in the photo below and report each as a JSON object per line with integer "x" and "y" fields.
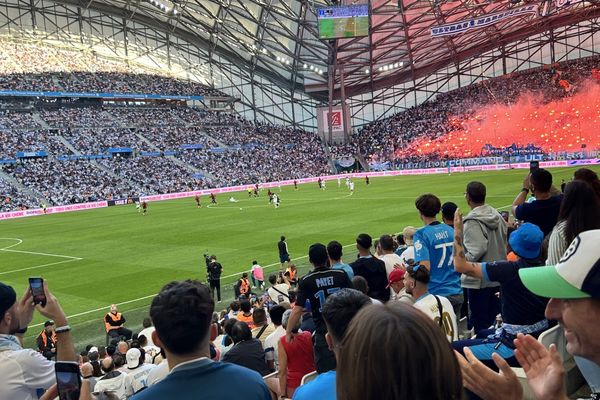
{"x": 434, "y": 243}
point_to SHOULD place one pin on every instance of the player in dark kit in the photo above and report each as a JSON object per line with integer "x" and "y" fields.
{"x": 198, "y": 205}
{"x": 367, "y": 180}
{"x": 144, "y": 207}
{"x": 270, "y": 194}
{"x": 295, "y": 184}
{"x": 213, "y": 198}
{"x": 320, "y": 181}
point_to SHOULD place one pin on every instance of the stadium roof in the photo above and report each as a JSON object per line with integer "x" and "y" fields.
{"x": 278, "y": 39}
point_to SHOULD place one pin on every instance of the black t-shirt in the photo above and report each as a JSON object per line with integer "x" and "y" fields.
{"x": 316, "y": 287}
{"x": 249, "y": 354}
{"x": 282, "y": 248}
{"x": 519, "y": 305}
{"x": 543, "y": 213}
{"x": 214, "y": 271}
{"x": 373, "y": 270}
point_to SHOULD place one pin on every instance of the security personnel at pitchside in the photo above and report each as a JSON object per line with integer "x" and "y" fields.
{"x": 46, "y": 340}
{"x": 114, "y": 322}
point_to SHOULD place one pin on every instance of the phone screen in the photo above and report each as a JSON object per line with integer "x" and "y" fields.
{"x": 533, "y": 165}
{"x": 36, "y": 285}
{"x": 68, "y": 380}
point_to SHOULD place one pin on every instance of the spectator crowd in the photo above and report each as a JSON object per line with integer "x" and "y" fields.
{"x": 320, "y": 336}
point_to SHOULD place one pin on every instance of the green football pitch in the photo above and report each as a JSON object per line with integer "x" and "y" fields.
{"x": 116, "y": 255}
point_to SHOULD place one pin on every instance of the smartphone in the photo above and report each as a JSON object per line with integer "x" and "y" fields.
{"x": 36, "y": 285}
{"x": 534, "y": 165}
{"x": 504, "y": 215}
{"x": 68, "y": 380}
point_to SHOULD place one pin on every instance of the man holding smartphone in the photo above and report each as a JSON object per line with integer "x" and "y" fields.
{"x": 25, "y": 371}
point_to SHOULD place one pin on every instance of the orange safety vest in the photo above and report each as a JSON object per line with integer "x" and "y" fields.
{"x": 244, "y": 286}
{"x": 248, "y": 320}
{"x": 44, "y": 336}
{"x": 292, "y": 274}
{"x": 116, "y": 318}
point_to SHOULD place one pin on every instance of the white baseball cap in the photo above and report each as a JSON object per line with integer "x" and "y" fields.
{"x": 577, "y": 274}
{"x": 133, "y": 358}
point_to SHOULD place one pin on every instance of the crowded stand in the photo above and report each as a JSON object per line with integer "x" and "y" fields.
{"x": 12, "y": 199}
{"x": 155, "y": 175}
{"x": 32, "y": 66}
{"x": 67, "y": 182}
{"x": 500, "y": 111}
{"x": 302, "y": 337}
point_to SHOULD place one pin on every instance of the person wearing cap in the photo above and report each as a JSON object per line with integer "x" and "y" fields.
{"x": 522, "y": 310}
{"x": 398, "y": 290}
{"x": 24, "y": 372}
{"x": 370, "y": 268}
{"x": 137, "y": 371}
{"x": 46, "y": 340}
{"x": 485, "y": 235}
{"x": 438, "y": 308}
{"x": 573, "y": 286}
{"x": 433, "y": 250}
{"x": 315, "y": 287}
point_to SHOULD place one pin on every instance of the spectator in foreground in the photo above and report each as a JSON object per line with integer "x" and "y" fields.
{"x": 371, "y": 268}
{"x": 448, "y": 210}
{"x": 338, "y": 312}
{"x": 87, "y": 373}
{"x": 296, "y": 358}
{"x": 433, "y": 250}
{"x": 423, "y": 348}
{"x": 147, "y": 331}
{"x": 408, "y": 253}
{"x": 398, "y": 288}
{"x": 579, "y": 212}
{"x": 270, "y": 344}
{"x": 438, "y": 308}
{"x": 25, "y": 371}
{"x": 485, "y": 240}
{"x": 246, "y": 351}
{"x": 314, "y": 288}
{"x": 182, "y": 314}
{"x": 573, "y": 286}
{"x": 262, "y": 326}
{"x": 279, "y": 291}
{"x": 522, "y": 311}
{"x": 334, "y": 251}
{"x": 362, "y": 286}
{"x": 542, "y": 212}
{"x": 245, "y": 314}
{"x": 113, "y": 380}
{"x": 137, "y": 370}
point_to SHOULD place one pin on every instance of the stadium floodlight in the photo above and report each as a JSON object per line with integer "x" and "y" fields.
{"x": 367, "y": 71}
{"x": 305, "y": 66}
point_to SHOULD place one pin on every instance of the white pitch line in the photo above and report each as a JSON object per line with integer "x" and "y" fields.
{"x": 152, "y": 295}
{"x": 19, "y": 241}
{"x": 40, "y": 266}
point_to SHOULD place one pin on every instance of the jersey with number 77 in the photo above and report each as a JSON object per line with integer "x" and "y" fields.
{"x": 433, "y": 243}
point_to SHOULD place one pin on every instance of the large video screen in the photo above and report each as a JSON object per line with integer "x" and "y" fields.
{"x": 343, "y": 21}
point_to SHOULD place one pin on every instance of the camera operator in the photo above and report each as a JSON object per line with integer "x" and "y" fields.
{"x": 213, "y": 276}
{"x": 280, "y": 286}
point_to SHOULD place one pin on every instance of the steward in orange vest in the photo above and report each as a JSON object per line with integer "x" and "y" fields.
{"x": 46, "y": 341}
{"x": 244, "y": 284}
{"x": 113, "y": 321}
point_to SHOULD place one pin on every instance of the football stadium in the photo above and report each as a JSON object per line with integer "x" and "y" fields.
{"x": 303, "y": 199}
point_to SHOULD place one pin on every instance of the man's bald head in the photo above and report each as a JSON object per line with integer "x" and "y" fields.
{"x": 87, "y": 370}
{"x": 107, "y": 364}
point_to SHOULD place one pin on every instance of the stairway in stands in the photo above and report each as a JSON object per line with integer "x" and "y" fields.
{"x": 22, "y": 188}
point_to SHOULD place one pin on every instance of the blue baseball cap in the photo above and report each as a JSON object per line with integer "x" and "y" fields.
{"x": 526, "y": 241}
